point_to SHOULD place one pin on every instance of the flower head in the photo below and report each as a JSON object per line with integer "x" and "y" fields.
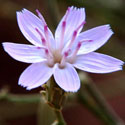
{"x": 58, "y": 55}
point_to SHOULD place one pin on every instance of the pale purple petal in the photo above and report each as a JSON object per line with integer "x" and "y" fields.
{"x": 24, "y": 53}
{"x": 35, "y": 75}
{"x": 67, "y": 78}
{"x": 28, "y": 22}
{"x": 98, "y": 63}
{"x": 74, "y": 19}
{"x": 99, "y": 36}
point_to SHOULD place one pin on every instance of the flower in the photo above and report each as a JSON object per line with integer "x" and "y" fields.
{"x": 59, "y": 55}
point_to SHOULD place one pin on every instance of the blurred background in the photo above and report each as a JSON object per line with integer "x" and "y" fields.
{"x": 112, "y": 86}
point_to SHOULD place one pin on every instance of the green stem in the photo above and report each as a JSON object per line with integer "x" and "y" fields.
{"x": 56, "y": 99}
{"x": 24, "y": 99}
{"x": 5, "y": 96}
{"x": 101, "y": 102}
{"x": 87, "y": 102}
{"x": 59, "y": 117}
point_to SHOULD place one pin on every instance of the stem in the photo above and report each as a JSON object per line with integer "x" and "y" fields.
{"x": 59, "y": 117}
{"x": 4, "y": 95}
{"x": 94, "y": 92}
{"x": 93, "y": 108}
{"x": 56, "y": 99}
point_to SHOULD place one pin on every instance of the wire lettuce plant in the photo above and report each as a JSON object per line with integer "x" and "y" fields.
{"x": 57, "y": 56}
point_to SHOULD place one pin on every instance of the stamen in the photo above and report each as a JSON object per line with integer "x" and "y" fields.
{"x": 84, "y": 22}
{"x": 63, "y": 61}
{"x": 67, "y": 13}
{"x": 46, "y": 32}
{"x": 75, "y": 34}
{"x": 41, "y": 17}
{"x": 42, "y": 38}
{"x": 77, "y": 49}
{"x": 62, "y": 34}
{"x": 73, "y": 38}
{"x": 66, "y": 54}
{"x": 47, "y": 37}
{"x": 73, "y": 57}
{"x": 38, "y": 47}
{"x": 63, "y": 29}
{"x": 79, "y": 45}
{"x": 47, "y": 52}
{"x": 87, "y": 40}
{"x": 50, "y": 61}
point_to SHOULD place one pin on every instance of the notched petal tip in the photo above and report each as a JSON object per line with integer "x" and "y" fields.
{"x": 21, "y": 11}
{"x": 28, "y": 88}
{"x": 24, "y": 86}
{"x": 108, "y": 25}
{"x": 24, "y": 10}
{"x": 123, "y": 66}
{"x": 73, "y": 8}
{"x": 73, "y": 91}
{"x": 17, "y": 13}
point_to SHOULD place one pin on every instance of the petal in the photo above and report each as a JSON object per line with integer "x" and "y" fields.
{"x": 28, "y": 22}
{"x": 99, "y": 36}
{"x": 67, "y": 78}
{"x": 98, "y": 63}
{"x": 35, "y": 75}
{"x": 24, "y": 53}
{"x": 74, "y": 18}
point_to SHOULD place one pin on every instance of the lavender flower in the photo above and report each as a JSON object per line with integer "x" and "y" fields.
{"x": 59, "y": 55}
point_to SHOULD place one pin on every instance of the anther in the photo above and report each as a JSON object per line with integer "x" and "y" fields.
{"x": 42, "y": 38}
{"x": 46, "y": 52}
{"x": 66, "y": 53}
{"x": 47, "y": 37}
{"x": 86, "y": 41}
{"x": 75, "y": 33}
{"x": 49, "y": 58}
{"x": 63, "y": 61}
{"x": 64, "y": 24}
{"x": 62, "y": 34}
{"x": 45, "y": 28}
{"x": 78, "y": 47}
{"x": 46, "y": 32}
{"x": 73, "y": 57}
{"x": 63, "y": 29}
{"x": 38, "y": 47}
{"x": 73, "y": 38}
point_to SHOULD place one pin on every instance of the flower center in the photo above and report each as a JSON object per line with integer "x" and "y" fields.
{"x": 57, "y": 55}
